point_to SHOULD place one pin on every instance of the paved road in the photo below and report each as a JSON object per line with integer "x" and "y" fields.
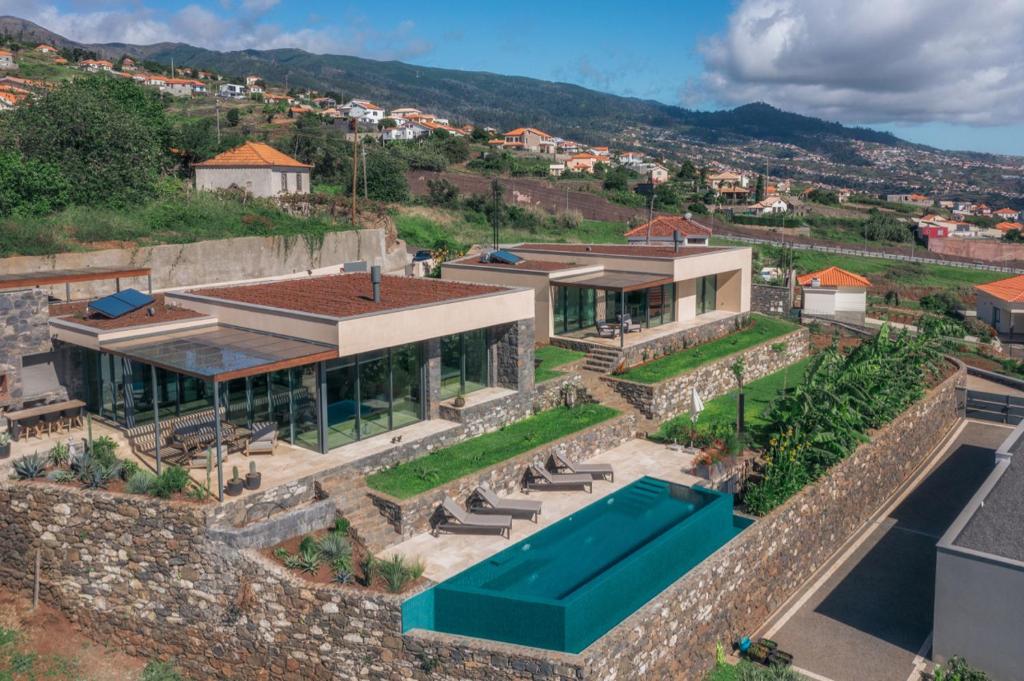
{"x": 984, "y": 385}
{"x": 868, "y": 616}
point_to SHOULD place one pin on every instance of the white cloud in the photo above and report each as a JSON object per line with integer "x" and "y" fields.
{"x": 239, "y": 29}
{"x": 873, "y": 61}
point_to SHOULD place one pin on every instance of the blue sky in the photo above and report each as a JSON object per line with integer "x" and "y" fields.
{"x": 931, "y": 71}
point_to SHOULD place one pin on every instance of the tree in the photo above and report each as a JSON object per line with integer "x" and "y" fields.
{"x": 233, "y": 117}
{"x": 759, "y": 189}
{"x": 823, "y": 196}
{"x": 479, "y": 135}
{"x": 443, "y": 192}
{"x": 616, "y": 180}
{"x": 109, "y": 138}
{"x": 30, "y": 187}
{"x": 687, "y": 171}
{"x": 885, "y": 227}
{"x": 385, "y": 176}
{"x": 387, "y": 123}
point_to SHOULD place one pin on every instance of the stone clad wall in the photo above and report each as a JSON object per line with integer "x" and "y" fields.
{"x": 24, "y": 330}
{"x": 672, "y": 396}
{"x": 735, "y": 590}
{"x": 141, "y": 575}
{"x": 771, "y": 300}
{"x": 412, "y": 516}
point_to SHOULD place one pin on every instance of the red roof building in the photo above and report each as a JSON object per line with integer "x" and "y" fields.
{"x": 663, "y": 228}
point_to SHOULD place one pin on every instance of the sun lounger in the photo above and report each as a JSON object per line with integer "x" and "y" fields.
{"x": 453, "y": 518}
{"x": 598, "y": 471}
{"x": 263, "y": 439}
{"x": 484, "y": 501}
{"x": 538, "y": 477}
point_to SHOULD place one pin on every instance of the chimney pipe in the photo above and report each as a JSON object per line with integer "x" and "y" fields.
{"x": 375, "y": 279}
{"x": 675, "y": 240}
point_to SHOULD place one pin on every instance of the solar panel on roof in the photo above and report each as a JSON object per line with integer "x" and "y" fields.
{"x": 505, "y": 257}
{"x": 120, "y": 303}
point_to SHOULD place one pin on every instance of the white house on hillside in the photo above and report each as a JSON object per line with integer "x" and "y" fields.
{"x": 231, "y": 91}
{"x": 363, "y": 110}
{"x": 836, "y": 294}
{"x": 257, "y": 168}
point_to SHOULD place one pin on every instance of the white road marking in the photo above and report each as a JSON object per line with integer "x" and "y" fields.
{"x": 809, "y": 674}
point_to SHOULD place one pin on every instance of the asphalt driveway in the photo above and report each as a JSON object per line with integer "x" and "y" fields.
{"x": 869, "y": 615}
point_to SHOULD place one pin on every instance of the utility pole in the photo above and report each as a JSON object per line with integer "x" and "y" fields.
{"x": 355, "y": 165}
{"x": 366, "y": 192}
{"x": 496, "y": 217}
{"x": 216, "y": 104}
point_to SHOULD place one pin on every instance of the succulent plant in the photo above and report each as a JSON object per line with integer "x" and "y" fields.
{"x": 29, "y": 467}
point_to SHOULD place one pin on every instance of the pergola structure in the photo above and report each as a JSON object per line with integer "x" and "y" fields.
{"x": 617, "y": 282}
{"x": 217, "y": 354}
{"x": 74, "y": 276}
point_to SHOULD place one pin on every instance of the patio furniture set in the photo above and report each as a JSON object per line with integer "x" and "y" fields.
{"x": 46, "y": 419}
{"x": 486, "y": 512}
{"x": 626, "y": 325}
{"x": 185, "y": 439}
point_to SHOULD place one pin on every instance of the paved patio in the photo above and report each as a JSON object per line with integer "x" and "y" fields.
{"x": 647, "y": 335}
{"x": 449, "y": 554}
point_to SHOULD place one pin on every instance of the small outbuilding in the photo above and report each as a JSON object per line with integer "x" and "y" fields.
{"x": 1001, "y": 304}
{"x": 834, "y": 293}
{"x": 255, "y": 167}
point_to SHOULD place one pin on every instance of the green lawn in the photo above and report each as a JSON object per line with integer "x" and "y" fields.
{"x": 412, "y": 478}
{"x": 759, "y": 396}
{"x": 552, "y": 357}
{"x": 759, "y": 330}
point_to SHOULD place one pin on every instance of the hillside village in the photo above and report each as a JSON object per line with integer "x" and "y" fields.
{"x": 298, "y": 385}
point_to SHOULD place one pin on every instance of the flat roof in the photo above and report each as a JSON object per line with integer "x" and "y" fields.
{"x": 997, "y": 526}
{"x": 611, "y": 280}
{"x": 162, "y": 313}
{"x": 221, "y": 352}
{"x": 52, "y": 277}
{"x": 346, "y": 295}
{"x": 638, "y": 251}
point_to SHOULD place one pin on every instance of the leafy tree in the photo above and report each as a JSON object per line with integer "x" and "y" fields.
{"x": 233, "y": 117}
{"x": 688, "y": 171}
{"x": 387, "y": 123}
{"x": 667, "y": 196}
{"x": 30, "y": 187}
{"x": 385, "y": 176}
{"x": 616, "y": 180}
{"x": 697, "y": 209}
{"x": 823, "y": 196}
{"x": 759, "y": 189}
{"x": 108, "y": 137}
{"x": 885, "y": 227}
{"x": 479, "y": 135}
{"x": 1013, "y": 236}
{"x": 941, "y": 302}
{"x": 443, "y": 192}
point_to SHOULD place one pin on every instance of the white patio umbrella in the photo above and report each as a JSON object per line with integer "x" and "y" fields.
{"x": 697, "y": 406}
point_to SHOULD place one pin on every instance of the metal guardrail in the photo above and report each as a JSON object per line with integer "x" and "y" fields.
{"x": 796, "y": 245}
{"x": 995, "y": 407}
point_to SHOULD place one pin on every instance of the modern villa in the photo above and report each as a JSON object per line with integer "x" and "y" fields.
{"x": 662, "y": 289}
{"x": 329, "y": 360}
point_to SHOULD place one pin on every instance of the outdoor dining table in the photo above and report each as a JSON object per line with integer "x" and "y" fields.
{"x": 15, "y": 417}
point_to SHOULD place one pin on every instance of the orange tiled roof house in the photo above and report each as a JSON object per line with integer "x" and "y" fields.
{"x": 1001, "y": 304}
{"x": 834, "y": 293}
{"x": 257, "y": 168}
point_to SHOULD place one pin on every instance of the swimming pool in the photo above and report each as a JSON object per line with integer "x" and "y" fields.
{"x": 568, "y": 584}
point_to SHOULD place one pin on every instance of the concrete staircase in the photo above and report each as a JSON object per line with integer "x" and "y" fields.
{"x": 602, "y": 360}
{"x": 352, "y": 500}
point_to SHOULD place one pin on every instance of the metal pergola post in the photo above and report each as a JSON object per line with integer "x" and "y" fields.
{"x": 622, "y": 319}
{"x": 156, "y": 416}
{"x": 216, "y": 428}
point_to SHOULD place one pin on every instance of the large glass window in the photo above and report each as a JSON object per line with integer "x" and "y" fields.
{"x": 574, "y": 308}
{"x": 374, "y": 394}
{"x": 406, "y": 385}
{"x": 342, "y": 399}
{"x": 707, "y": 294}
{"x": 661, "y": 304}
{"x": 464, "y": 363}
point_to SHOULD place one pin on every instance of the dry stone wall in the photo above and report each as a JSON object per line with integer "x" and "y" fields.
{"x": 673, "y": 396}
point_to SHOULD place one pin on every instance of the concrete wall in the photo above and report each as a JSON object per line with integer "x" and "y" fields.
{"x": 673, "y": 396}
{"x": 988, "y": 250}
{"x": 979, "y": 605}
{"x": 211, "y": 262}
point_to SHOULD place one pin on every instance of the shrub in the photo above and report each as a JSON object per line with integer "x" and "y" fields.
{"x": 336, "y": 548}
{"x": 957, "y": 669}
{"x": 104, "y": 450}
{"x": 60, "y": 454}
{"x": 369, "y": 566}
{"x": 140, "y": 482}
{"x": 128, "y": 469}
{"x": 198, "y": 492}
{"x": 60, "y": 476}
{"x": 941, "y": 302}
{"x": 309, "y": 556}
{"x": 97, "y": 475}
{"x": 172, "y": 479}
{"x": 751, "y": 672}
{"x": 341, "y": 526}
{"x": 30, "y": 467}
{"x": 160, "y": 671}
{"x": 397, "y": 573}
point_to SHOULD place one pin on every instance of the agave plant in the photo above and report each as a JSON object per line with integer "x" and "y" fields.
{"x": 309, "y": 558}
{"x": 29, "y": 467}
{"x": 334, "y": 547}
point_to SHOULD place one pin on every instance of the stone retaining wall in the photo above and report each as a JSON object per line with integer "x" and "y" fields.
{"x": 672, "y": 396}
{"x": 24, "y": 330}
{"x": 734, "y": 591}
{"x": 644, "y": 350}
{"x": 771, "y": 300}
{"x": 412, "y": 516}
{"x": 141, "y": 575}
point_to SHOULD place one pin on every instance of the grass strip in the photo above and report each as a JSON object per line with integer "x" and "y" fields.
{"x": 444, "y": 465}
{"x": 550, "y": 358}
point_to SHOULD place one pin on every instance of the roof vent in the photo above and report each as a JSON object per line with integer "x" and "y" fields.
{"x": 375, "y": 279}
{"x": 688, "y": 216}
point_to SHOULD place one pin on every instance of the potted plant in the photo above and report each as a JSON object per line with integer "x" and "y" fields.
{"x": 252, "y": 478}
{"x": 460, "y": 400}
{"x": 234, "y": 486}
{"x": 5, "y": 445}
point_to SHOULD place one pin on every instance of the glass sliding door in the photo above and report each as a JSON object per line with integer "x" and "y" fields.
{"x": 661, "y": 304}
{"x": 707, "y": 294}
{"x": 574, "y": 308}
{"x": 406, "y": 385}
{"x": 464, "y": 363}
{"x": 374, "y": 394}
{"x": 588, "y": 307}
{"x": 342, "y": 399}
{"x": 451, "y": 365}
{"x": 306, "y": 413}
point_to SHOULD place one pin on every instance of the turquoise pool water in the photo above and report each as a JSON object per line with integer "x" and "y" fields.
{"x": 568, "y": 584}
